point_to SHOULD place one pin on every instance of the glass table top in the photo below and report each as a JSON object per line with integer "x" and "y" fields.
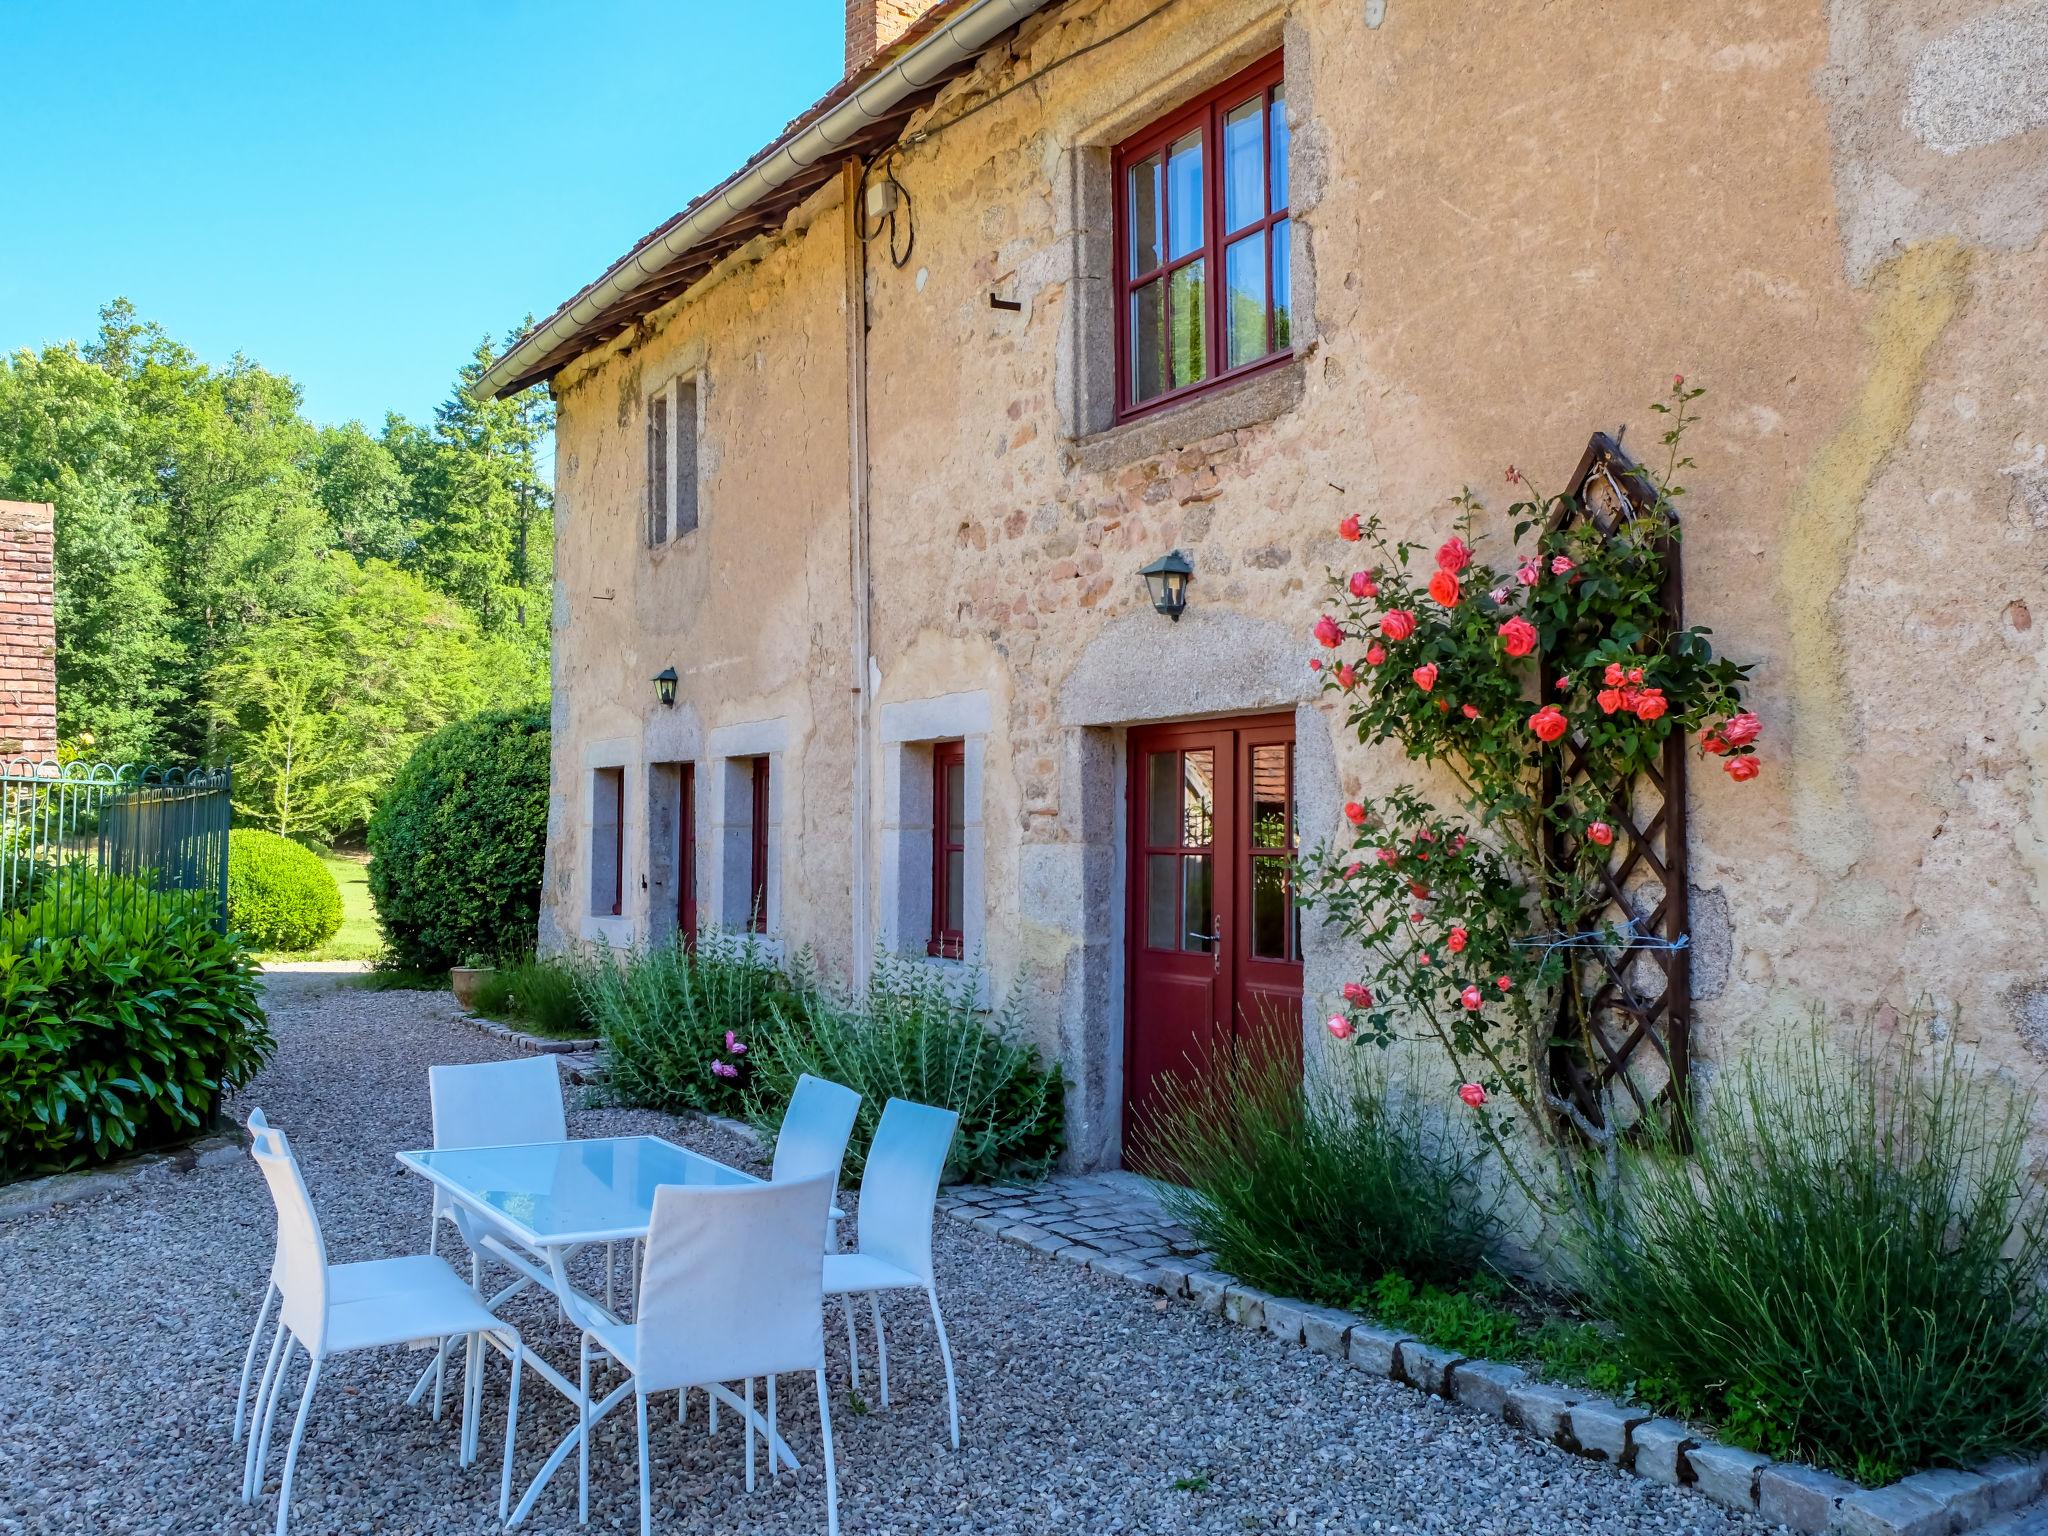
{"x": 596, "y": 1190}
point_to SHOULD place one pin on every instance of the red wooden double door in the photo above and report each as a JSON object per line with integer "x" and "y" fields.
{"x": 1215, "y": 942}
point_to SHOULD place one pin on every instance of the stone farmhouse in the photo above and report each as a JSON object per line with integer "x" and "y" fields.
{"x": 861, "y": 456}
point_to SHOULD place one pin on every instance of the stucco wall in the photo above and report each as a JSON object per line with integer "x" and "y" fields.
{"x": 1510, "y": 230}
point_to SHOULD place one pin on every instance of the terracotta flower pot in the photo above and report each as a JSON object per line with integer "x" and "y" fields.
{"x": 466, "y": 980}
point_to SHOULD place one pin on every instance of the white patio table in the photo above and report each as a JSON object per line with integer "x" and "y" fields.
{"x": 552, "y": 1200}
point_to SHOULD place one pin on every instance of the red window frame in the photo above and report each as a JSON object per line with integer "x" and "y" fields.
{"x": 947, "y": 943}
{"x": 1205, "y": 112}
{"x": 757, "y": 882}
{"x": 686, "y": 854}
{"x": 609, "y": 783}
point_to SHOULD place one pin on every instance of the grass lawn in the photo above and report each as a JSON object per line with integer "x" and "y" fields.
{"x": 359, "y": 937}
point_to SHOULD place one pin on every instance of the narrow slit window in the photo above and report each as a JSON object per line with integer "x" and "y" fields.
{"x": 949, "y": 850}
{"x": 608, "y": 842}
{"x": 657, "y": 470}
{"x": 757, "y": 875}
{"x": 683, "y": 456}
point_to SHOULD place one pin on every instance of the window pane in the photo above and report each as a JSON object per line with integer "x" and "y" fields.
{"x": 1198, "y": 815}
{"x": 1148, "y": 340}
{"x": 956, "y": 801}
{"x": 955, "y": 897}
{"x": 1184, "y": 194}
{"x": 1186, "y": 322}
{"x": 1198, "y": 915}
{"x": 1279, "y": 143}
{"x": 1269, "y": 908}
{"x": 1162, "y": 901}
{"x": 1283, "y": 298}
{"x": 1162, "y": 800}
{"x": 1269, "y": 797}
{"x": 1244, "y": 164}
{"x": 1144, "y": 213}
{"x": 1245, "y": 299}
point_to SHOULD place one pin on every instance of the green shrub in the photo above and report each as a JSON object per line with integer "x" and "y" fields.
{"x": 280, "y": 896}
{"x": 124, "y": 1021}
{"x": 544, "y": 997}
{"x": 665, "y": 1015}
{"x": 1847, "y": 1267}
{"x": 456, "y": 843}
{"x": 1320, "y": 1188}
{"x": 918, "y": 1036}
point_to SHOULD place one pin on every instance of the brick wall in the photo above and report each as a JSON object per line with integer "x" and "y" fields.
{"x": 28, "y": 631}
{"x": 872, "y": 25}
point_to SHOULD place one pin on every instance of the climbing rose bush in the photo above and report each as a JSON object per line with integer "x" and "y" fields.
{"x": 1440, "y": 651}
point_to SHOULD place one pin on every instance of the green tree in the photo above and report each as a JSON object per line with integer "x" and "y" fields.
{"x": 319, "y": 710}
{"x": 363, "y": 491}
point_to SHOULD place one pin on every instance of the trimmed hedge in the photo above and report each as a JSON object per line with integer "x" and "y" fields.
{"x": 457, "y": 841}
{"x": 124, "y": 1021}
{"x": 280, "y": 896}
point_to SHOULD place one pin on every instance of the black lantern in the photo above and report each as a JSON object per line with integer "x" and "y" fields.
{"x": 1168, "y": 577}
{"x": 665, "y": 686}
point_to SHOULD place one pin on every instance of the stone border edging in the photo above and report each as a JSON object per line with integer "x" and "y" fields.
{"x": 1940, "y": 1502}
{"x": 533, "y": 1045}
{"x": 35, "y": 1197}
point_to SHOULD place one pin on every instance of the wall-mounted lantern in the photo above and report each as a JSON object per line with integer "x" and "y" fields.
{"x": 665, "y": 687}
{"x": 1168, "y": 578}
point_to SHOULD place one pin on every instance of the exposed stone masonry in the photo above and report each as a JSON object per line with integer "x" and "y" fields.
{"x": 28, "y": 630}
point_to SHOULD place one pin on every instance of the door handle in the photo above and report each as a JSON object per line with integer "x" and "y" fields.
{"x": 1211, "y": 938}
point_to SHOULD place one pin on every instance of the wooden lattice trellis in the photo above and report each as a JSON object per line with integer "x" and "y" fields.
{"x": 1635, "y": 997}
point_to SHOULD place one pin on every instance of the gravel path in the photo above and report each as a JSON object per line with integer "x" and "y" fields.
{"x": 1084, "y": 1407}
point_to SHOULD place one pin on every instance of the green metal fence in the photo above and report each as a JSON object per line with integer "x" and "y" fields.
{"x": 83, "y": 841}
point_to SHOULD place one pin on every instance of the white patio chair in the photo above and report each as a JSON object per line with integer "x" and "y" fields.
{"x": 513, "y": 1103}
{"x": 899, "y": 1192}
{"x": 811, "y": 1140}
{"x": 731, "y": 1290}
{"x": 346, "y": 1282}
{"x": 312, "y": 1316}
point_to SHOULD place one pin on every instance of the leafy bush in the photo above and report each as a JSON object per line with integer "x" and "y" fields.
{"x": 457, "y": 841}
{"x": 918, "y": 1036}
{"x": 1846, "y": 1269}
{"x": 1320, "y": 1188}
{"x": 682, "y": 1028}
{"x": 280, "y": 896}
{"x": 544, "y": 997}
{"x": 123, "y": 1024}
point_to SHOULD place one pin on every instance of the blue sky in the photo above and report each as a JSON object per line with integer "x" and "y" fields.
{"x": 353, "y": 192}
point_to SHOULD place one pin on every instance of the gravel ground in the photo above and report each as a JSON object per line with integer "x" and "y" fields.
{"x": 1084, "y": 1407}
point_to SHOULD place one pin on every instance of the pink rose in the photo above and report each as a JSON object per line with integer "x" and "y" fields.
{"x": 1468, "y": 711}
{"x": 1601, "y": 833}
{"x": 1499, "y": 596}
{"x": 1354, "y": 813}
{"x": 1444, "y": 589}
{"x": 1327, "y": 632}
{"x": 1362, "y": 584}
{"x": 1472, "y": 1094}
{"x": 1358, "y": 994}
{"x": 1389, "y": 858}
{"x": 1473, "y": 999}
{"x": 1743, "y": 769}
{"x": 1349, "y": 530}
{"x": 1560, "y": 565}
{"x": 1454, "y": 555}
{"x": 1742, "y": 730}
{"x": 1340, "y": 1027}
{"x": 1375, "y": 654}
{"x": 1397, "y": 624}
{"x": 1528, "y": 573}
{"x": 1518, "y": 636}
{"x": 1549, "y": 723}
{"x": 1425, "y": 676}
{"x": 1459, "y": 938}
{"x": 1346, "y": 678}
